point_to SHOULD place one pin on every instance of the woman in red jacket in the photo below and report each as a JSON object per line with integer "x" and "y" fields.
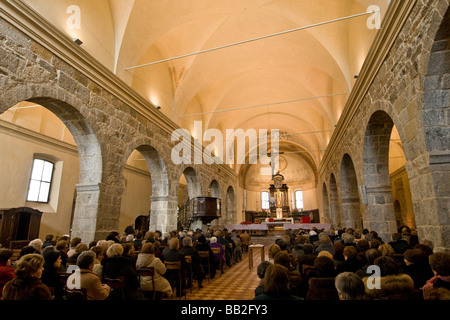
{"x": 6, "y": 270}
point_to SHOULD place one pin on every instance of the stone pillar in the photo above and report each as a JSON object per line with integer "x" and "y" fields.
{"x": 381, "y": 212}
{"x": 163, "y": 214}
{"x": 351, "y": 210}
{"x": 84, "y": 224}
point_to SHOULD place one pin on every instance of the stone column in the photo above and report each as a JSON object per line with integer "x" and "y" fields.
{"x": 163, "y": 214}
{"x": 84, "y": 224}
{"x": 381, "y": 212}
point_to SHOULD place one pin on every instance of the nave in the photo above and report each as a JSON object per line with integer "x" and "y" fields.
{"x": 236, "y": 283}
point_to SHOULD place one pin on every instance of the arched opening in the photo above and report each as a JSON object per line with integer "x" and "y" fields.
{"x": 230, "y": 206}
{"x": 401, "y": 191}
{"x": 335, "y": 209}
{"x": 214, "y": 189}
{"x": 188, "y": 188}
{"x": 137, "y": 185}
{"x": 326, "y": 215}
{"x": 378, "y": 190}
{"x": 192, "y": 182}
{"x": 145, "y": 180}
{"x": 351, "y": 208}
{"x": 55, "y": 131}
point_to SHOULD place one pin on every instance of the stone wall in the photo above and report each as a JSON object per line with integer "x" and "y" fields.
{"x": 106, "y": 126}
{"x": 410, "y": 90}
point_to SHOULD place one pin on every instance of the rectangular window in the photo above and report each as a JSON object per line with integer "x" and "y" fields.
{"x": 299, "y": 199}
{"x": 265, "y": 200}
{"x": 41, "y": 179}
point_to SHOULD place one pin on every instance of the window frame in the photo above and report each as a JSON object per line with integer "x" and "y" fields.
{"x": 263, "y": 201}
{"x": 296, "y": 200}
{"x": 41, "y": 181}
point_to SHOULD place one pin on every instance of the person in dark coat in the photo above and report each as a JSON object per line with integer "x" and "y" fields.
{"x": 196, "y": 262}
{"x": 261, "y": 271}
{"x": 50, "y": 275}
{"x": 202, "y": 245}
{"x": 223, "y": 241}
{"x": 398, "y": 244}
{"x": 417, "y": 267}
{"x": 173, "y": 254}
{"x": 351, "y": 263}
{"x": 308, "y": 257}
{"x": 276, "y": 284}
{"x": 116, "y": 265}
{"x": 48, "y": 241}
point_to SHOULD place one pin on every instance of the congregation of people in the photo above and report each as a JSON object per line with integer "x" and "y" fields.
{"x": 343, "y": 264}
{"x": 43, "y": 270}
{"x": 348, "y": 264}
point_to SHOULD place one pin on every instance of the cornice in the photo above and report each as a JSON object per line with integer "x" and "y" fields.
{"x": 36, "y": 137}
{"x": 393, "y": 22}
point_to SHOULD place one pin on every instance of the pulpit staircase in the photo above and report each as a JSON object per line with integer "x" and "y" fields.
{"x": 199, "y": 208}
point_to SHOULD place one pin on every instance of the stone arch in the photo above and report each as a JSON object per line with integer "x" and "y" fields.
{"x": 351, "y": 208}
{"x": 335, "y": 209}
{"x": 163, "y": 204}
{"x": 85, "y": 221}
{"x": 326, "y": 215}
{"x": 377, "y": 191}
{"x": 214, "y": 189}
{"x": 193, "y": 182}
{"x": 230, "y": 206}
{"x": 433, "y": 202}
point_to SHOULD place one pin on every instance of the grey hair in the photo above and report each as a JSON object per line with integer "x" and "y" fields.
{"x": 187, "y": 241}
{"x": 349, "y": 285}
{"x": 85, "y": 259}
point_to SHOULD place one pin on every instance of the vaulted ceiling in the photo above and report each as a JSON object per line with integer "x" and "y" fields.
{"x": 296, "y": 82}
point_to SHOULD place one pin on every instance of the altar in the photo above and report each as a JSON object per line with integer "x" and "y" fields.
{"x": 279, "y": 197}
{"x": 280, "y": 220}
{"x": 277, "y": 223}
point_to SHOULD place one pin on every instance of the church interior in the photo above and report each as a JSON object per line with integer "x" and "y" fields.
{"x": 152, "y": 113}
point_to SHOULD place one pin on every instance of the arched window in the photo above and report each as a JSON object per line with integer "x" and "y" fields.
{"x": 299, "y": 199}
{"x": 265, "y": 200}
{"x": 41, "y": 180}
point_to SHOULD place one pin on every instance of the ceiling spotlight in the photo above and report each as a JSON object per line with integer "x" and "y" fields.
{"x": 356, "y": 76}
{"x": 158, "y": 107}
{"x": 77, "y": 41}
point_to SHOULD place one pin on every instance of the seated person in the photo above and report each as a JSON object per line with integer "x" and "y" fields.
{"x": 147, "y": 259}
{"x": 6, "y": 270}
{"x": 196, "y": 263}
{"x": 115, "y": 265}
{"x": 95, "y": 290}
{"x": 276, "y": 284}
{"x": 219, "y": 257}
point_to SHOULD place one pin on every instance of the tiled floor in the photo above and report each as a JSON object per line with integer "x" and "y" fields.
{"x": 237, "y": 282}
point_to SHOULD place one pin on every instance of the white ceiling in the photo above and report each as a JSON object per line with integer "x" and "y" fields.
{"x": 297, "y": 82}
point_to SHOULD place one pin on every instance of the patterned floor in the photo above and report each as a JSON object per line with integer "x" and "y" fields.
{"x": 237, "y": 282}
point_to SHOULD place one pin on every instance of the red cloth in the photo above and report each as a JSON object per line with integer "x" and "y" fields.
{"x": 6, "y": 274}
